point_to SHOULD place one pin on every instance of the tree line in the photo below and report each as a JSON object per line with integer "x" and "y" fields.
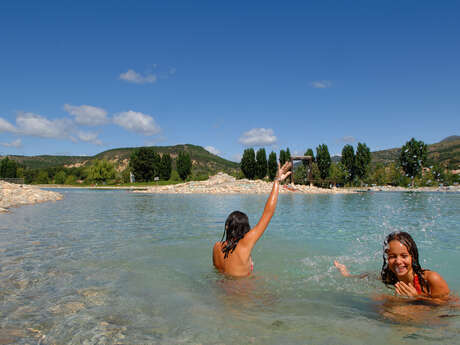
{"x": 353, "y": 168}
{"x": 145, "y": 164}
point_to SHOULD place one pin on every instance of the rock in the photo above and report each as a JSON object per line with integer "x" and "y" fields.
{"x": 17, "y": 195}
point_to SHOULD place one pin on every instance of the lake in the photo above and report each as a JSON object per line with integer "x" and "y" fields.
{"x": 114, "y": 267}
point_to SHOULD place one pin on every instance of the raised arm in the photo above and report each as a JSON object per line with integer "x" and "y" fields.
{"x": 254, "y": 234}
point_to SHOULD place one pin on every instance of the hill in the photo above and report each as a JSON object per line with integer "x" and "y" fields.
{"x": 203, "y": 161}
{"x": 446, "y": 153}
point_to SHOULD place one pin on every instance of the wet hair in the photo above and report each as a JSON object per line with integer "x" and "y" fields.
{"x": 236, "y": 226}
{"x": 388, "y": 277}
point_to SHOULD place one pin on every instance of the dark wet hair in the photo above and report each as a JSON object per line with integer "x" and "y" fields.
{"x": 236, "y": 226}
{"x": 388, "y": 277}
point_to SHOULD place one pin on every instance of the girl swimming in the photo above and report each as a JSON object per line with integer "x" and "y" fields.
{"x": 233, "y": 256}
{"x": 401, "y": 268}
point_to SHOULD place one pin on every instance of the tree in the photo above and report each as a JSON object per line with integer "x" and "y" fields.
{"x": 248, "y": 163}
{"x": 288, "y": 154}
{"x": 323, "y": 159}
{"x": 378, "y": 175}
{"x": 309, "y": 152}
{"x": 71, "y": 179}
{"x": 101, "y": 171}
{"x": 184, "y": 165}
{"x": 8, "y": 168}
{"x": 272, "y": 166}
{"x": 283, "y": 158}
{"x": 362, "y": 160}
{"x": 60, "y": 177}
{"x": 165, "y": 166}
{"x": 42, "y": 177}
{"x": 348, "y": 162}
{"x": 145, "y": 164}
{"x": 339, "y": 173}
{"x": 261, "y": 163}
{"x": 413, "y": 157}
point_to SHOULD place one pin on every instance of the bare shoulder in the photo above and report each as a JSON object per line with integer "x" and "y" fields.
{"x": 437, "y": 283}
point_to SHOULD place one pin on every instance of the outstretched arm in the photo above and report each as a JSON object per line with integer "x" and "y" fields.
{"x": 254, "y": 234}
{"x": 344, "y": 271}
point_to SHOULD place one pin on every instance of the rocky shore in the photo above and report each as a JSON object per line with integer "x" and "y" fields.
{"x": 16, "y": 194}
{"x": 226, "y": 184}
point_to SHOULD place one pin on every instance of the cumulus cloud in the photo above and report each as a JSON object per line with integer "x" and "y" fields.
{"x": 212, "y": 150}
{"x": 131, "y": 76}
{"x": 5, "y": 126}
{"x": 137, "y": 122}
{"x": 36, "y": 125}
{"x": 89, "y": 137}
{"x": 258, "y": 137}
{"x": 348, "y": 139}
{"x": 87, "y": 114}
{"x": 31, "y": 124}
{"x": 321, "y": 84}
{"x": 16, "y": 143}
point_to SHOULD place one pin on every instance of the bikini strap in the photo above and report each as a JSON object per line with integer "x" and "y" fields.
{"x": 417, "y": 284}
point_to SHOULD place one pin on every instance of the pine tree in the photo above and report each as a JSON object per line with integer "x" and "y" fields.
{"x": 282, "y": 157}
{"x": 272, "y": 166}
{"x": 323, "y": 159}
{"x": 165, "y": 167}
{"x": 362, "y": 160}
{"x": 248, "y": 164}
{"x": 261, "y": 163}
{"x": 348, "y": 162}
{"x": 184, "y": 165}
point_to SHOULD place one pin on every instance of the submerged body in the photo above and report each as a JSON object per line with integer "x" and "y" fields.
{"x": 232, "y": 256}
{"x": 401, "y": 268}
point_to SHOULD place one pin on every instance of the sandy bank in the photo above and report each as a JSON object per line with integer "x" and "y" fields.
{"x": 16, "y": 195}
{"x": 225, "y": 184}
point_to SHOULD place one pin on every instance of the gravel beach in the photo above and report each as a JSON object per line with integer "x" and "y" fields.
{"x": 16, "y": 194}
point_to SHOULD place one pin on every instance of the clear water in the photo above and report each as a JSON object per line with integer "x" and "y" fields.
{"x": 113, "y": 267}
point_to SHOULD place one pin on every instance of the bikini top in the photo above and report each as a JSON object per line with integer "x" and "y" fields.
{"x": 417, "y": 284}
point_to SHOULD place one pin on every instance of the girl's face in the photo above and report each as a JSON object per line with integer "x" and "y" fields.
{"x": 399, "y": 259}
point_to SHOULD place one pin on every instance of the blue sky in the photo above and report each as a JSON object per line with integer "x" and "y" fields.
{"x": 79, "y": 78}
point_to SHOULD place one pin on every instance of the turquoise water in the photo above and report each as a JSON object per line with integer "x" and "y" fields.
{"x": 113, "y": 267}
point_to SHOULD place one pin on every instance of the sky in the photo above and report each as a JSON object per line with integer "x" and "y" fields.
{"x": 82, "y": 77}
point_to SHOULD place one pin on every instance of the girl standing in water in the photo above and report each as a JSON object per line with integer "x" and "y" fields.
{"x": 233, "y": 256}
{"x": 402, "y": 269}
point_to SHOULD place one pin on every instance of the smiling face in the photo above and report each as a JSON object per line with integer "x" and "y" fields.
{"x": 399, "y": 259}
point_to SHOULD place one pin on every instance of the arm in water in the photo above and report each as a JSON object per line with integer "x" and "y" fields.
{"x": 344, "y": 271}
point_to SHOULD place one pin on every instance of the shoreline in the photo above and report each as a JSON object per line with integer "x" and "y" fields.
{"x": 14, "y": 195}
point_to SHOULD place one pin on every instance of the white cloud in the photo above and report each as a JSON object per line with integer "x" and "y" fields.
{"x": 36, "y": 125}
{"x": 89, "y": 137}
{"x": 87, "y": 114}
{"x": 321, "y": 84}
{"x": 212, "y": 150}
{"x": 17, "y": 143}
{"x": 136, "y": 122}
{"x": 348, "y": 139}
{"x": 258, "y": 137}
{"x": 5, "y": 126}
{"x": 131, "y": 76}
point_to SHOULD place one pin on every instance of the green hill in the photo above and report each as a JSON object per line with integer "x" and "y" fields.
{"x": 446, "y": 153}
{"x": 203, "y": 161}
